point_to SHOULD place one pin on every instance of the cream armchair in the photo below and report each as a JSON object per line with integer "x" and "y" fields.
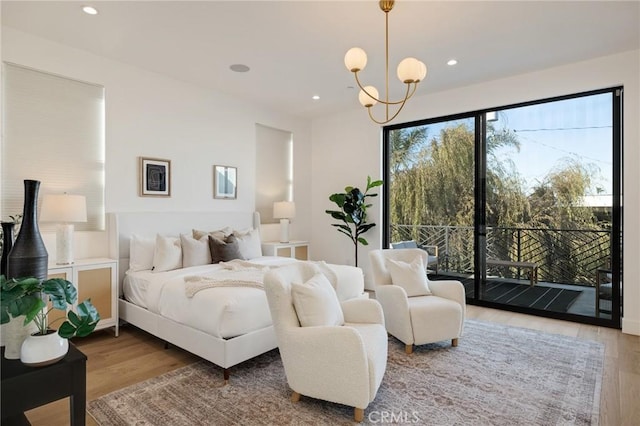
{"x": 337, "y": 363}
{"x": 417, "y": 320}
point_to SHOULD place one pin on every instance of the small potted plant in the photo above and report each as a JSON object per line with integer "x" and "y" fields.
{"x": 29, "y": 296}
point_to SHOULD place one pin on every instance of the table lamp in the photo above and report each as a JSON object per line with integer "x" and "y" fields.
{"x": 284, "y": 210}
{"x": 64, "y": 209}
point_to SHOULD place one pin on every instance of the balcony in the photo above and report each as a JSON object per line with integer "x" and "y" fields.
{"x": 568, "y": 259}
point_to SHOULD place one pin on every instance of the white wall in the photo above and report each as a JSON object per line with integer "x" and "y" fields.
{"x": 341, "y": 138}
{"x": 148, "y": 114}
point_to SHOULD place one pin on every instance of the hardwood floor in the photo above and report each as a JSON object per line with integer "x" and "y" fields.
{"x": 135, "y": 356}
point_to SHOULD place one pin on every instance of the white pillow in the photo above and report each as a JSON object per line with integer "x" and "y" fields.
{"x": 316, "y": 303}
{"x": 141, "y": 253}
{"x": 249, "y": 243}
{"x": 410, "y": 276}
{"x": 195, "y": 252}
{"x": 167, "y": 255}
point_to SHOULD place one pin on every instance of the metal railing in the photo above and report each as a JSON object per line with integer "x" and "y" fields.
{"x": 567, "y": 256}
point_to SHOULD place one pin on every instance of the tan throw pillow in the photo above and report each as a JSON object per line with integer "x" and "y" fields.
{"x": 195, "y": 252}
{"x": 316, "y": 303}
{"x": 410, "y": 276}
{"x": 167, "y": 255}
{"x": 224, "y": 251}
{"x": 220, "y": 234}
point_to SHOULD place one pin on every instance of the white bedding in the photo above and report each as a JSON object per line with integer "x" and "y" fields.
{"x": 222, "y": 312}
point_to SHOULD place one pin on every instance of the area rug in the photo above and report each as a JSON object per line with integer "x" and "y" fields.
{"x": 498, "y": 375}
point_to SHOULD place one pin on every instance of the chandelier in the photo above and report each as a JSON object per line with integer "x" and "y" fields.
{"x": 410, "y": 72}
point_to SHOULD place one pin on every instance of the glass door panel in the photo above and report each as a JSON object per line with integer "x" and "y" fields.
{"x": 431, "y": 194}
{"x": 549, "y": 204}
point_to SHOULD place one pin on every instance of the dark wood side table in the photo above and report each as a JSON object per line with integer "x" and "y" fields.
{"x": 24, "y": 388}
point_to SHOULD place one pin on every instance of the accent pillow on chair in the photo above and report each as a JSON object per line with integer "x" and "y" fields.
{"x": 316, "y": 302}
{"x": 410, "y": 276}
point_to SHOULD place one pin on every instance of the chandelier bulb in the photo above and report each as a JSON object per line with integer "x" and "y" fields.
{"x": 411, "y": 70}
{"x": 368, "y": 96}
{"x": 355, "y": 59}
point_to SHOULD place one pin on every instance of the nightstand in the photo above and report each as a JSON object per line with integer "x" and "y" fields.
{"x": 295, "y": 249}
{"x": 95, "y": 279}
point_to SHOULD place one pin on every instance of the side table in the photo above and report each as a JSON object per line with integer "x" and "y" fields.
{"x": 24, "y": 388}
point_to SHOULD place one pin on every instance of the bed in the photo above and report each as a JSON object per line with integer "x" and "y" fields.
{"x": 224, "y": 325}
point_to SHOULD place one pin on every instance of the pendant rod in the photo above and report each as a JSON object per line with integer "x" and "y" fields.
{"x": 386, "y": 42}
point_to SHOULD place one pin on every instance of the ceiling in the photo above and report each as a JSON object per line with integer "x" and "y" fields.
{"x": 295, "y": 49}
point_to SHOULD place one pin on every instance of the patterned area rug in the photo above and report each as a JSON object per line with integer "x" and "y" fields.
{"x": 498, "y": 375}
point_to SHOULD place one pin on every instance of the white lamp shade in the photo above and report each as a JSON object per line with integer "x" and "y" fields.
{"x": 366, "y": 100}
{"x": 284, "y": 210}
{"x": 63, "y": 208}
{"x": 411, "y": 70}
{"x": 355, "y": 59}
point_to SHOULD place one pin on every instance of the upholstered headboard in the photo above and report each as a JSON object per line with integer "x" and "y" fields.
{"x": 121, "y": 226}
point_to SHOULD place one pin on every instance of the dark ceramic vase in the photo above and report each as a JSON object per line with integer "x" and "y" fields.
{"x": 29, "y": 257}
{"x": 7, "y": 244}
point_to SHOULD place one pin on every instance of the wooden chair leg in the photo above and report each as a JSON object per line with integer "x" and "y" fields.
{"x": 358, "y": 414}
{"x": 408, "y": 349}
{"x": 295, "y": 397}
{"x": 454, "y": 342}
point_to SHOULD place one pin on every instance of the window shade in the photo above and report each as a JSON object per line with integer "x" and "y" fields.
{"x": 274, "y": 169}
{"x": 54, "y": 133}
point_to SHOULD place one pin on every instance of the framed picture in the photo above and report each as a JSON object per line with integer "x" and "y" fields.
{"x": 225, "y": 182}
{"x": 155, "y": 177}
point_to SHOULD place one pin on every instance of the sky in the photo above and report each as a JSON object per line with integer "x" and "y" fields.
{"x": 579, "y": 129}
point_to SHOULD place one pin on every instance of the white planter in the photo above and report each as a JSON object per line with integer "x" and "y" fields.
{"x": 39, "y": 350}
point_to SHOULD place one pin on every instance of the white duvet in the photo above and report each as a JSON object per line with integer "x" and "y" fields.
{"x": 223, "y": 312}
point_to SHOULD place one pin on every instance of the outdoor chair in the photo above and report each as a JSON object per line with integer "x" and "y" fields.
{"x": 432, "y": 252}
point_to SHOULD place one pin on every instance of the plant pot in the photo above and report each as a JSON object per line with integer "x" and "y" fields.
{"x": 40, "y": 350}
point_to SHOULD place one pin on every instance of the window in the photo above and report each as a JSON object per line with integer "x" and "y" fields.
{"x": 53, "y": 132}
{"x": 274, "y": 169}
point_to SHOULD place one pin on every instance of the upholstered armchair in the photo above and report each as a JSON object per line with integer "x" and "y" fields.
{"x": 332, "y": 351}
{"x": 417, "y": 310}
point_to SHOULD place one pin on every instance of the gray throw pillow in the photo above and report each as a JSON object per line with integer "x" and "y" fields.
{"x": 224, "y": 251}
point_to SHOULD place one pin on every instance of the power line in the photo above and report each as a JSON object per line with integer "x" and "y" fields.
{"x": 561, "y": 128}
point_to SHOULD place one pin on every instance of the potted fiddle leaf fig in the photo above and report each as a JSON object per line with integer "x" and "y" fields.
{"x": 353, "y": 212}
{"x": 29, "y": 296}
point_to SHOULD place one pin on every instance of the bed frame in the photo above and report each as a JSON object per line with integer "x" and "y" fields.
{"x": 223, "y": 352}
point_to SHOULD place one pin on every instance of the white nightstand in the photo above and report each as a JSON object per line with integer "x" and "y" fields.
{"x": 296, "y": 249}
{"x": 94, "y": 278}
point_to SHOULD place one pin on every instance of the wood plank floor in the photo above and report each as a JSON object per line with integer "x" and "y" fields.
{"x": 135, "y": 356}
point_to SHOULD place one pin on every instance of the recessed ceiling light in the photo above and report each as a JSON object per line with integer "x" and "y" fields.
{"x": 452, "y": 62}
{"x": 239, "y": 68}
{"x": 315, "y": 97}
{"x": 90, "y": 10}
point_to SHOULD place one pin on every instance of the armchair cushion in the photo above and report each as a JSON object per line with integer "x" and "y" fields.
{"x": 410, "y": 276}
{"x": 316, "y": 302}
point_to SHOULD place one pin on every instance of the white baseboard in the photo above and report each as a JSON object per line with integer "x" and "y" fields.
{"x": 631, "y": 327}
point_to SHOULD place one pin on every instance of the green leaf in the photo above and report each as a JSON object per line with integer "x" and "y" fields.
{"x": 363, "y": 241}
{"x": 61, "y": 292}
{"x": 66, "y": 330}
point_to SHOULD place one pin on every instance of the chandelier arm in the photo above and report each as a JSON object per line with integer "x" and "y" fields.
{"x": 407, "y": 96}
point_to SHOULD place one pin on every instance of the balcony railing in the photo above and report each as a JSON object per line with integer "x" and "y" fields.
{"x": 567, "y": 256}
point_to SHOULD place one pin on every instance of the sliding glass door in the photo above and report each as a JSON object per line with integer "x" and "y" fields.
{"x": 522, "y": 203}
